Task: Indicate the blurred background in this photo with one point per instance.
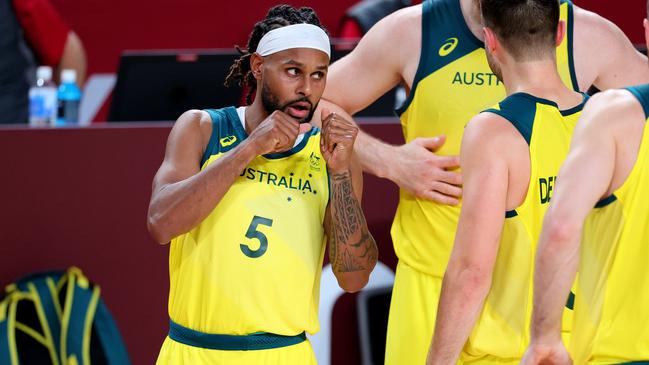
(79, 196)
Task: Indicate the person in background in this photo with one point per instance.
(32, 33)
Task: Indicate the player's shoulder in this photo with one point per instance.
(194, 119)
(194, 122)
(594, 30)
(401, 23)
(409, 13)
(588, 19)
(489, 127)
(611, 112)
(519, 110)
(612, 102)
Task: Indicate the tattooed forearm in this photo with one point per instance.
(351, 246)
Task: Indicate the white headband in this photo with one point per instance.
(294, 36)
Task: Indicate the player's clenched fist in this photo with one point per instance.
(277, 133)
(337, 141)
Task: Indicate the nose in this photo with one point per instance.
(304, 87)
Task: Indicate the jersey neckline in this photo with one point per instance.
(238, 126)
(565, 112)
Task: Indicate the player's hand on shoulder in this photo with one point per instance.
(337, 141)
(277, 133)
(541, 354)
(420, 171)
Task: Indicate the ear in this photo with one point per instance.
(256, 65)
(490, 40)
(561, 32)
(646, 32)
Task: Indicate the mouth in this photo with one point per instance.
(299, 110)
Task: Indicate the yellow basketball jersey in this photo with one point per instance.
(611, 321)
(502, 331)
(254, 264)
(452, 84)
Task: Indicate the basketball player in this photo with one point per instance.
(246, 196)
(510, 157)
(436, 51)
(607, 168)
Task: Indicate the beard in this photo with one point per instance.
(270, 102)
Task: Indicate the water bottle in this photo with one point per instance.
(69, 98)
(42, 99)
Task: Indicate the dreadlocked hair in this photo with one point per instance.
(277, 17)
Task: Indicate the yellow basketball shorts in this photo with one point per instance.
(413, 310)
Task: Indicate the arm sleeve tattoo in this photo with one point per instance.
(351, 246)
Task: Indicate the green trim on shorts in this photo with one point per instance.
(255, 341)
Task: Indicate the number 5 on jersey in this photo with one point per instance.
(253, 233)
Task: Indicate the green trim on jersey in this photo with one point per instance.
(228, 132)
(511, 214)
(571, 60)
(443, 27)
(251, 342)
(225, 134)
(641, 92)
(606, 201)
(446, 38)
(520, 110)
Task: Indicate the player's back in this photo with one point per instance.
(611, 323)
(452, 84)
(502, 331)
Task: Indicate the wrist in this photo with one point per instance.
(250, 149)
(339, 171)
(540, 337)
(383, 166)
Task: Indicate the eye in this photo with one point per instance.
(293, 71)
(318, 75)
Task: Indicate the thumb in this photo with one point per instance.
(432, 143)
(304, 127)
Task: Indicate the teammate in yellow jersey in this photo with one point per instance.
(510, 155)
(607, 168)
(436, 51)
(246, 196)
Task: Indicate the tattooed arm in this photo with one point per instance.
(352, 249)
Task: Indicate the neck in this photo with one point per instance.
(472, 17)
(255, 113)
(541, 79)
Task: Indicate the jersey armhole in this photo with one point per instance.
(213, 144)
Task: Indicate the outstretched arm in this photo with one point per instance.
(368, 72)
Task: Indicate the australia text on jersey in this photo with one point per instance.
(292, 182)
